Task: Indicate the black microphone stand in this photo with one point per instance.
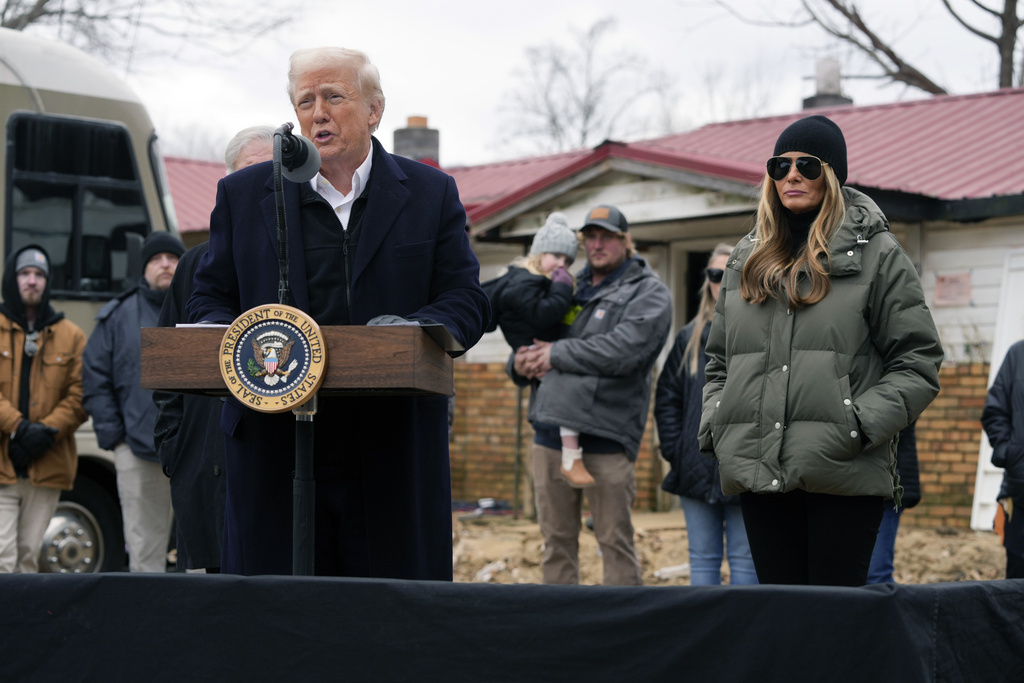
(303, 483)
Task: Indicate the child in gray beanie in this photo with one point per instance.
(529, 302)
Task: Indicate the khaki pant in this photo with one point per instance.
(559, 507)
(145, 493)
(25, 512)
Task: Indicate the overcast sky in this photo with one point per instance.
(455, 63)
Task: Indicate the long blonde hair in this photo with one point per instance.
(771, 270)
(705, 311)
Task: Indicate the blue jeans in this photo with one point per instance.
(705, 525)
(880, 570)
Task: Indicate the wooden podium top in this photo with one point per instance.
(361, 360)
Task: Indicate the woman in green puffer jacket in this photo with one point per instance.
(821, 350)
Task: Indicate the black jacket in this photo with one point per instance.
(677, 408)
(527, 306)
(190, 444)
(1003, 420)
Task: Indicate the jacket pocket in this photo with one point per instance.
(851, 437)
(55, 369)
(414, 250)
(708, 423)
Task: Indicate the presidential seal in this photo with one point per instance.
(273, 358)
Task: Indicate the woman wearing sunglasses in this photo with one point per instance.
(821, 350)
(714, 522)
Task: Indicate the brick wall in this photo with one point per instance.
(948, 439)
(484, 445)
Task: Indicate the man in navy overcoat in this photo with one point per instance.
(373, 238)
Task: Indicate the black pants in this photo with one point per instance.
(813, 539)
(1014, 565)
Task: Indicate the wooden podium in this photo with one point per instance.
(391, 360)
(398, 360)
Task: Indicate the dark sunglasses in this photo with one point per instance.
(714, 274)
(809, 167)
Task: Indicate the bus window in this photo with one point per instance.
(74, 188)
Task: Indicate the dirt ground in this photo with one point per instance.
(500, 549)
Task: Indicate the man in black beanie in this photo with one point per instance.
(123, 413)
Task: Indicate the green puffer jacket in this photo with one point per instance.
(812, 398)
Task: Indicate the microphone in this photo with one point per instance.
(299, 159)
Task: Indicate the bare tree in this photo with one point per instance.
(842, 20)
(581, 96)
(124, 31)
(1005, 41)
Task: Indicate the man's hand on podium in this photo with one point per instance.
(390, 320)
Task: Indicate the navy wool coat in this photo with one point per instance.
(382, 461)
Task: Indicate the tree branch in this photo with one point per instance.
(972, 29)
(879, 50)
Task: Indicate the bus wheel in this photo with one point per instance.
(85, 534)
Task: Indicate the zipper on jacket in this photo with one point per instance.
(764, 384)
(348, 274)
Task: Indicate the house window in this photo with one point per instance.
(73, 187)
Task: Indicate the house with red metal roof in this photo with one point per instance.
(947, 171)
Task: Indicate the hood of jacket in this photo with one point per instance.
(12, 305)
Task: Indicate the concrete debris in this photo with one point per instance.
(676, 572)
(487, 573)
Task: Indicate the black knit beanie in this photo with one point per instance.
(158, 242)
(819, 136)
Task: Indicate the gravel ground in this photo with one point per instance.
(500, 549)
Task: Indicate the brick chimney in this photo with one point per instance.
(418, 142)
(827, 84)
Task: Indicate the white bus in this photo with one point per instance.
(81, 175)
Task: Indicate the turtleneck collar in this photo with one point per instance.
(799, 227)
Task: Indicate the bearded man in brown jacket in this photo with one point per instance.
(40, 407)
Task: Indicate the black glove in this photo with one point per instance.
(34, 438)
(19, 457)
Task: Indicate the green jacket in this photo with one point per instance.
(813, 398)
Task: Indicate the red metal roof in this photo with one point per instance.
(193, 186)
(497, 182)
(949, 147)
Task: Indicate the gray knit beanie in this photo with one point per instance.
(32, 257)
(556, 237)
